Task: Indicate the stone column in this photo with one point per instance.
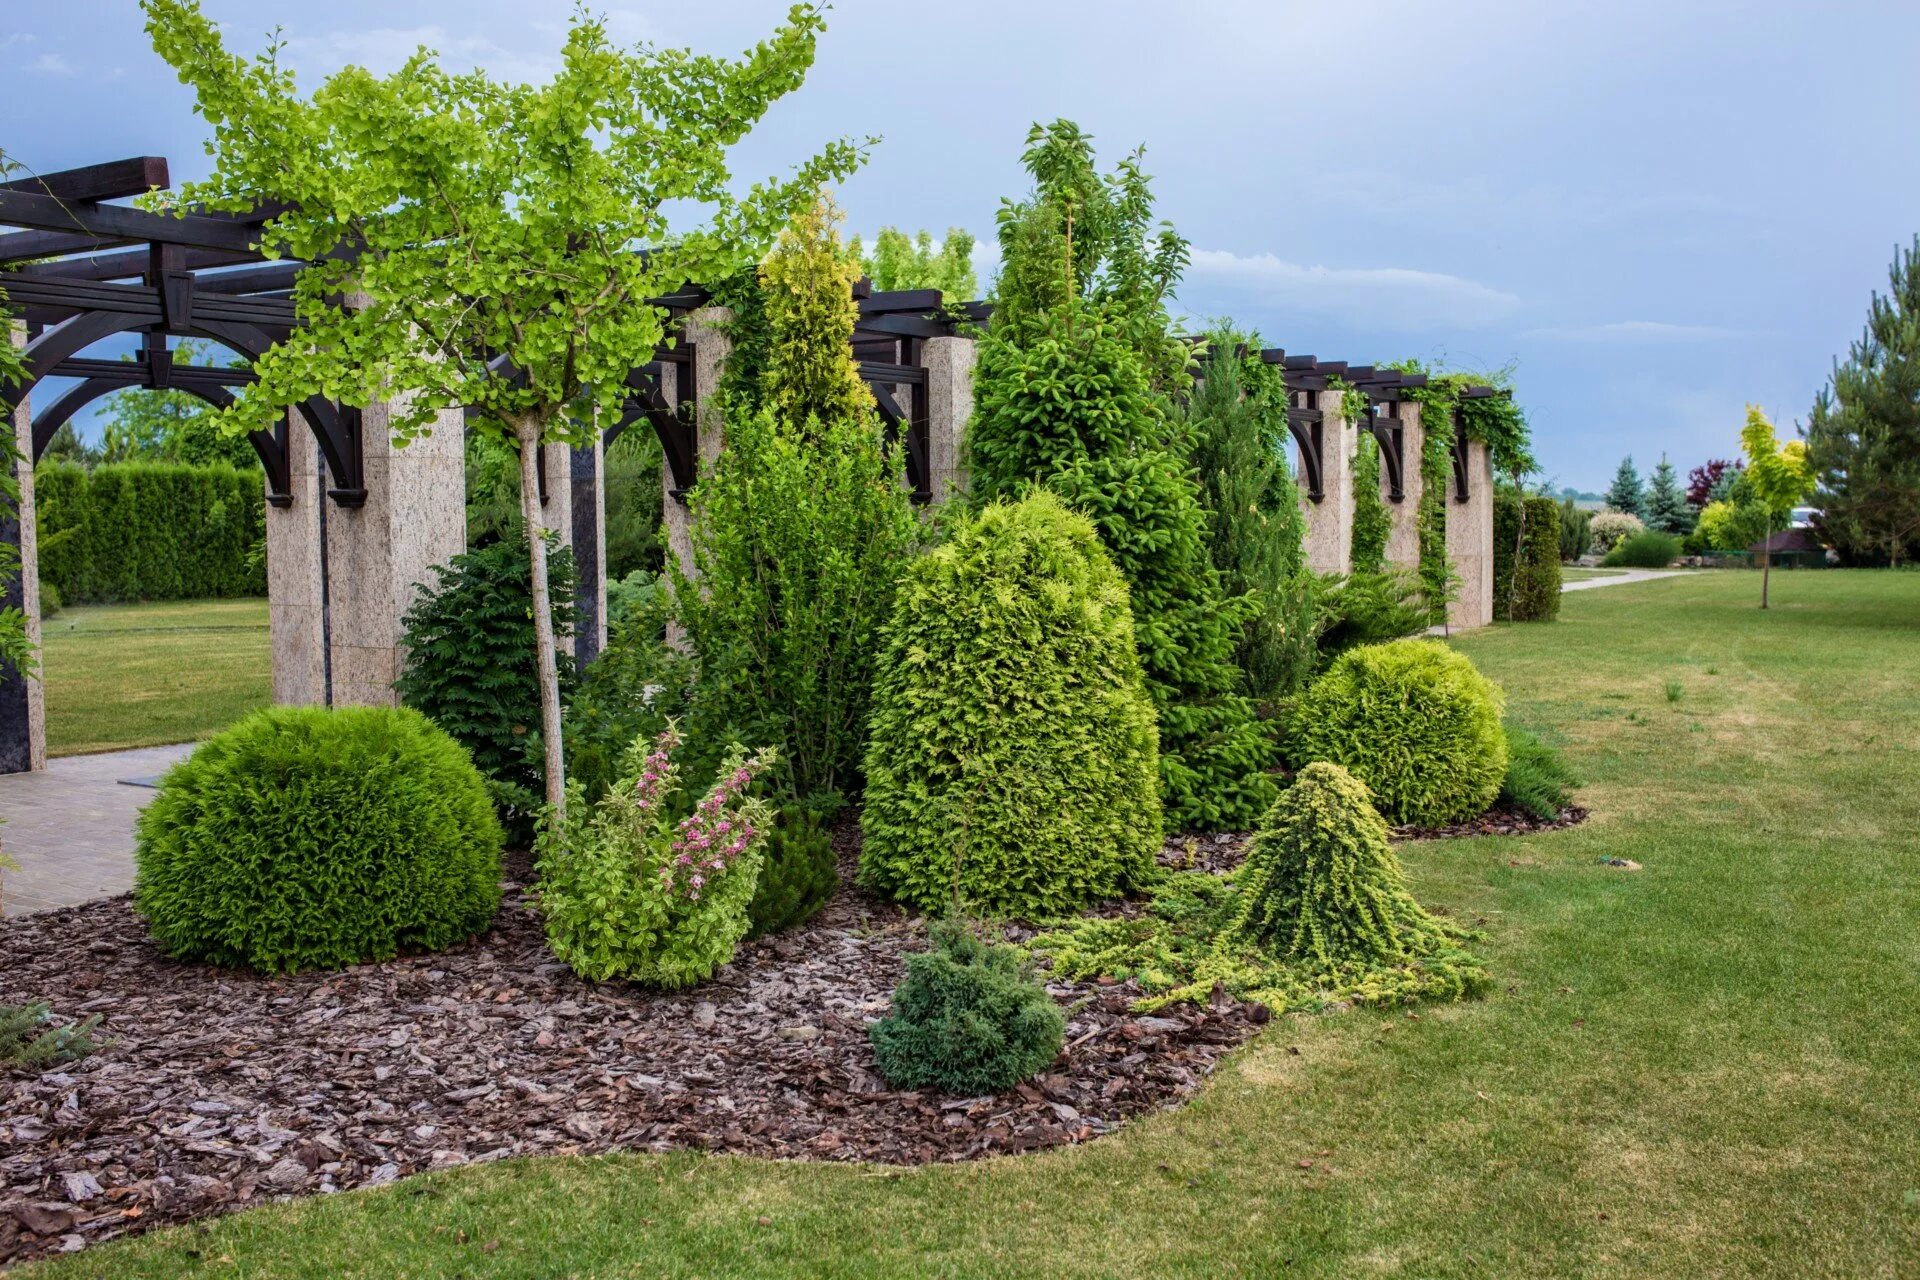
(1470, 543)
(1329, 543)
(415, 517)
(23, 706)
(949, 365)
(702, 329)
(297, 576)
(587, 534)
(1403, 536)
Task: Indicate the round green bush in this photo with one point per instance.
(1012, 759)
(304, 838)
(968, 1020)
(1648, 549)
(1414, 721)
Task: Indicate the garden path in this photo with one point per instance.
(1623, 577)
(71, 827)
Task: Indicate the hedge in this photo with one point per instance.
(1533, 594)
(150, 531)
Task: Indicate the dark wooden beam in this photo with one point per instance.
(118, 223)
(110, 181)
(134, 262)
(142, 300)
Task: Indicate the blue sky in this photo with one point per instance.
(1656, 211)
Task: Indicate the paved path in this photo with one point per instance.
(71, 827)
(1624, 576)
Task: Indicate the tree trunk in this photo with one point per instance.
(529, 431)
(1766, 561)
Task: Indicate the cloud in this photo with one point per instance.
(51, 64)
(1637, 331)
(17, 37)
(1401, 298)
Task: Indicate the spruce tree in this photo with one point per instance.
(1073, 392)
(1667, 508)
(1626, 494)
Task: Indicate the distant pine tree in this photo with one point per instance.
(1626, 494)
(1666, 504)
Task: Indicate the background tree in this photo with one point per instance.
(495, 229)
(1625, 493)
(1704, 480)
(1863, 437)
(902, 262)
(1779, 477)
(1666, 505)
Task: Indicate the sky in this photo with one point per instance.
(1655, 213)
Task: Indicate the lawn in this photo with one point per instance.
(1704, 1067)
(1575, 573)
(136, 675)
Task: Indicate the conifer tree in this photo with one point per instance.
(1667, 508)
(1625, 494)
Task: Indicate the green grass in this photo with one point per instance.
(136, 675)
(1575, 573)
(1703, 1068)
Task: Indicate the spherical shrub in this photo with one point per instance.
(969, 1019)
(798, 874)
(1012, 754)
(304, 838)
(1414, 721)
(1648, 549)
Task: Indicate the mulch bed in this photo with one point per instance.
(1502, 820)
(216, 1090)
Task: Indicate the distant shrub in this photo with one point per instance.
(969, 1019)
(1576, 530)
(628, 893)
(30, 1041)
(306, 838)
(1012, 759)
(798, 874)
(1537, 779)
(1526, 558)
(1608, 527)
(470, 664)
(1414, 721)
(1648, 549)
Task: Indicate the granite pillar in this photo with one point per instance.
(1403, 531)
(23, 707)
(702, 330)
(297, 576)
(1470, 542)
(1329, 542)
(949, 365)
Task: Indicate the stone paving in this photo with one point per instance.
(1622, 578)
(71, 827)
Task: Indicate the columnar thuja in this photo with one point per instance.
(501, 243)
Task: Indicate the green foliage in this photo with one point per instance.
(633, 690)
(150, 531)
(628, 893)
(810, 380)
(1648, 549)
(1499, 423)
(470, 664)
(1527, 541)
(307, 838)
(1367, 608)
(1236, 421)
(1732, 527)
(1012, 758)
(1667, 509)
(1576, 530)
(1414, 721)
(633, 495)
(799, 872)
(1371, 522)
(144, 425)
(1439, 400)
(902, 262)
(1318, 915)
(968, 1020)
(1610, 526)
(1537, 779)
(1626, 494)
(29, 1040)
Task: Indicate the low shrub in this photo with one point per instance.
(1012, 759)
(1648, 549)
(30, 1040)
(1608, 527)
(1318, 914)
(969, 1019)
(1368, 608)
(307, 838)
(1537, 779)
(1414, 721)
(798, 874)
(629, 893)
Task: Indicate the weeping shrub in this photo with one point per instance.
(1537, 780)
(306, 838)
(969, 1019)
(1012, 757)
(1357, 609)
(1317, 914)
(1414, 721)
(798, 873)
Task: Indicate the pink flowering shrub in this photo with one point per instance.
(630, 893)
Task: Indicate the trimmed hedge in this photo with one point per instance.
(1414, 721)
(303, 838)
(1526, 586)
(1013, 758)
(151, 531)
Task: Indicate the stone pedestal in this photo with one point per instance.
(1470, 543)
(297, 576)
(949, 365)
(1403, 534)
(710, 345)
(378, 555)
(23, 707)
(1329, 542)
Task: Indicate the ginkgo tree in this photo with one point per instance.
(1779, 477)
(497, 244)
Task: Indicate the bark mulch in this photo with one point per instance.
(1502, 820)
(216, 1090)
